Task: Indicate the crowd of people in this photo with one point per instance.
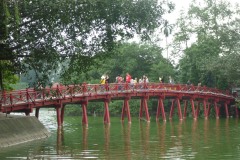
(143, 79)
(128, 79)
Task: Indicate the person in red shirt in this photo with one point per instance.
(128, 78)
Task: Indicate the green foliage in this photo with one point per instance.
(238, 103)
(41, 33)
(215, 26)
(136, 59)
(6, 76)
(73, 110)
(19, 86)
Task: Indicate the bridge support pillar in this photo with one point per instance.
(217, 109)
(59, 121)
(37, 112)
(160, 110)
(84, 113)
(126, 110)
(106, 112)
(144, 108)
(27, 113)
(172, 109)
(179, 109)
(197, 109)
(226, 109)
(185, 109)
(177, 100)
(193, 109)
(60, 114)
(209, 109)
(205, 108)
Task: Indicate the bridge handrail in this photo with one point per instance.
(62, 91)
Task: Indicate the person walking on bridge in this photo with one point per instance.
(103, 80)
(128, 78)
(119, 80)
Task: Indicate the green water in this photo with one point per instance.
(189, 139)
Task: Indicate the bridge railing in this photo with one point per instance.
(61, 91)
(17, 96)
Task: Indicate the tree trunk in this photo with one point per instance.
(167, 46)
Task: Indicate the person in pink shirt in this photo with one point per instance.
(128, 78)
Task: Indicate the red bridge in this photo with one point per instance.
(57, 97)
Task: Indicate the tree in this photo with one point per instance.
(167, 30)
(38, 34)
(215, 27)
(136, 59)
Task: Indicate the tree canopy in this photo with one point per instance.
(38, 34)
(212, 57)
(136, 59)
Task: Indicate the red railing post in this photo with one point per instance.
(84, 87)
(106, 86)
(95, 88)
(11, 99)
(43, 94)
(71, 91)
(27, 95)
(20, 96)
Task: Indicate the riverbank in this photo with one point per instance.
(15, 129)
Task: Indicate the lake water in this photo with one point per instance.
(189, 139)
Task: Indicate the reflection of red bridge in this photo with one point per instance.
(58, 97)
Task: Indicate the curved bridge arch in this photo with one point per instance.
(57, 97)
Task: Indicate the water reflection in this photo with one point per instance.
(126, 132)
(144, 136)
(107, 140)
(161, 132)
(85, 152)
(217, 131)
(200, 139)
(175, 151)
(60, 141)
(205, 132)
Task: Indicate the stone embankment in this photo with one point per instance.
(19, 129)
